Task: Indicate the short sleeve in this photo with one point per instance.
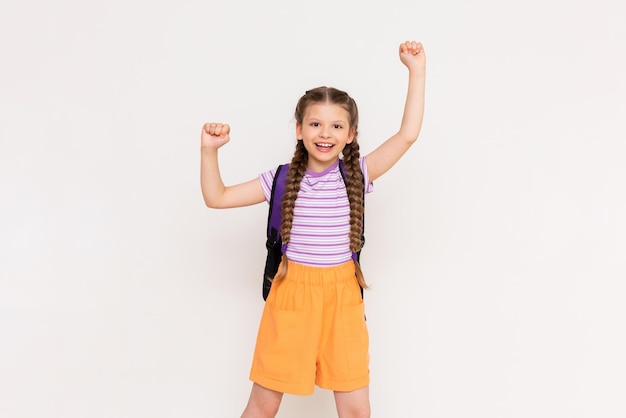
(267, 179)
(369, 186)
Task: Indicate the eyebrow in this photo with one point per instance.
(335, 121)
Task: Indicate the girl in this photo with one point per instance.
(313, 330)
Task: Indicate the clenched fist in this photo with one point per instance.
(412, 55)
(214, 135)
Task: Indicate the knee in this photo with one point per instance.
(363, 412)
(261, 410)
(355, 410)
(356, 414)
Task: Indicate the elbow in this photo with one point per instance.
(211, 203)
(216, 203)
(411, 135)
(212, 198)
(412, 140)
(409, 138)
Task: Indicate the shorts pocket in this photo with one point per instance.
(353, 318)
(282, 344)
(356, 339)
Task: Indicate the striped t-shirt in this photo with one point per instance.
(320, 234)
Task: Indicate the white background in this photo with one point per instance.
(495, 248)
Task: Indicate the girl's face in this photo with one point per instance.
(325, 131)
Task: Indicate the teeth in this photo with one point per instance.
(324, 145)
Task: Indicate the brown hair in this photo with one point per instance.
(354, 176)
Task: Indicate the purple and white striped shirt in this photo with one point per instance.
(320, 234)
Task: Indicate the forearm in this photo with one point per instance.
(210, 177)
(414, 106)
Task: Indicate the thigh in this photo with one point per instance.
(286, 347)
(343, 363)
(353, 404)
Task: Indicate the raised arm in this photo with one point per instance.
(389, 152)
(215, 194)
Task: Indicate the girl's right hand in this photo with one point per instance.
(214, 135)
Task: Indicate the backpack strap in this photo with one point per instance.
(274, 217)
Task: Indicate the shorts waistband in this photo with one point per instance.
(313, 275)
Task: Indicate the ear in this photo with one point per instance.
(351, 136)
(298, 131)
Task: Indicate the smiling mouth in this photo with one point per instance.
(323, 145)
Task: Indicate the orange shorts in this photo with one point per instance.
(313, 332)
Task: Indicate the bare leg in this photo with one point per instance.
(263, 403)
(355, 404)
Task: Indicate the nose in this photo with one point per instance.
(325, 132)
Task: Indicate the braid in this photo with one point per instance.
(296, 172)
(354, 187)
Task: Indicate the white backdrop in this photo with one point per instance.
(495, 248)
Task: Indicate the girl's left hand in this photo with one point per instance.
(412, 55)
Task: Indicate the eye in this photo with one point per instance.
(337, 126)
(315, 124)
